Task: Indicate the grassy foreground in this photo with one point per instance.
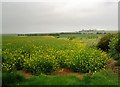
(104, 77)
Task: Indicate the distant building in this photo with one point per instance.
(90, 31)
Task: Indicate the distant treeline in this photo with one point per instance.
(58, 34)
(38, 34)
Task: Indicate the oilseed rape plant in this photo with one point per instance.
(45, 54)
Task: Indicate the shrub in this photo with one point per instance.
(103, 44)
(114, 46)
(13, 59)
(37, 65)
(87, 60)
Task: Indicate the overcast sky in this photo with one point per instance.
(58, 15)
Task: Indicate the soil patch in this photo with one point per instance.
(58, 72)
(25, 74)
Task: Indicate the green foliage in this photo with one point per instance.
(91, 43)
(40, 64)
(103, 44)
(118, 62)
(79, 35)
(87, 60)
(114, 45)
(11, 78)
(71, 38)
(45, 54)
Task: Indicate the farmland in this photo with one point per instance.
(44, 54)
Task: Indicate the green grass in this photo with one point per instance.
(79, 35)
(52, 80)
(104, 77)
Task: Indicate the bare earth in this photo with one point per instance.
(25, 74)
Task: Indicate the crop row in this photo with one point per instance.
(45, 54)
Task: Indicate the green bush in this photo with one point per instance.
(103, 44)
(37, 65)
(114, 46)
(13, 59)
(87, 60)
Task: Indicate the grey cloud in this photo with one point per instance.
(54, 17)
